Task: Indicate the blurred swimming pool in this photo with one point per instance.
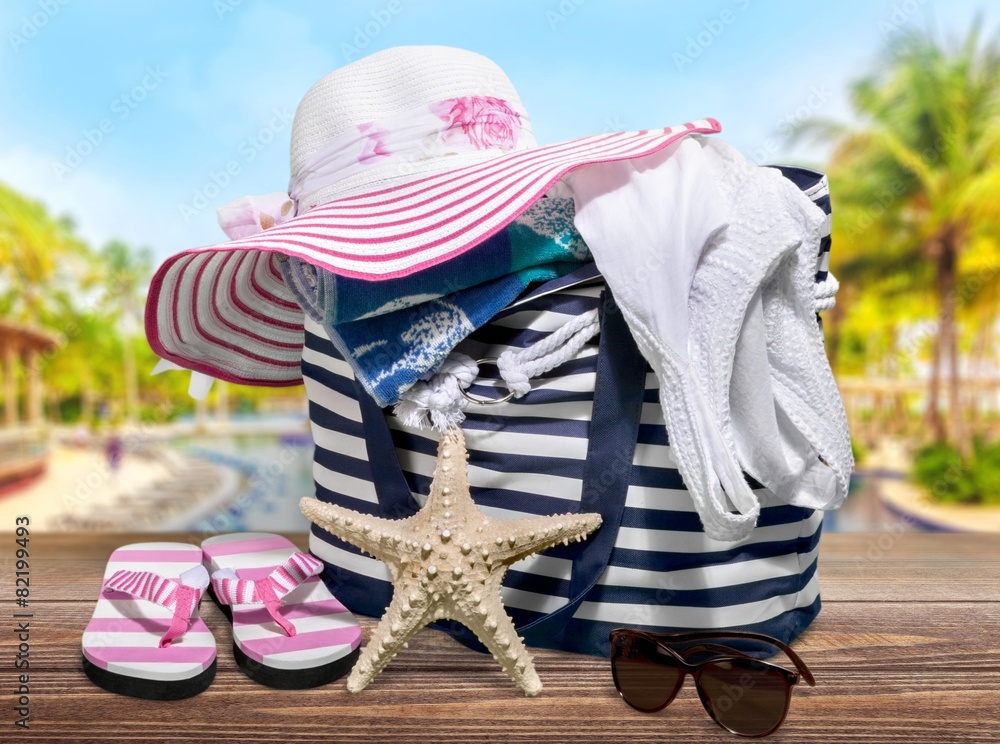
(278, 470)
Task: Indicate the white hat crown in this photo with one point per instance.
(387, 86)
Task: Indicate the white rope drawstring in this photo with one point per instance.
(441, 401)
(518, 367)
(826, 293)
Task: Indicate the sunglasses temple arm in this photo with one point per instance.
(711, 647)
(799, 664)
(739, 634)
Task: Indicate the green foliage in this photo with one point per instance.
(859, 451)
(40, 256)
(952, 480)
(915, 185)
(93, 300)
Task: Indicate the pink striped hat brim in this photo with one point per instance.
(224, 310)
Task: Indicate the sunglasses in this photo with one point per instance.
(742, 694)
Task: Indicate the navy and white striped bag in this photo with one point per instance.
(589, 436)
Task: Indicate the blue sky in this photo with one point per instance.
(121, 113)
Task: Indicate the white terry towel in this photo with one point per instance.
(712, 261)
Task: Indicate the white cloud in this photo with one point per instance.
(230, 97)
(104, 207)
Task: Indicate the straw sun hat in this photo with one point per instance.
(399, 161)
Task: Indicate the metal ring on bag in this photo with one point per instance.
(487, 401)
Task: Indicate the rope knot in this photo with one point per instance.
(439, 401)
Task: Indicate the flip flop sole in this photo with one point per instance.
(149, 689)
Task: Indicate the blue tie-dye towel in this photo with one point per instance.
(396, 331)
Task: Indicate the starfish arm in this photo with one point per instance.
(406, 614)
(528, 536)
(373, 535)
(494, 628)
(447, 562)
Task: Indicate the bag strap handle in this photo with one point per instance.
(391, 489)
(614, 430)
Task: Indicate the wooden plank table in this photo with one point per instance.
(906, 649)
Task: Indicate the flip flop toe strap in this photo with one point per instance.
(269, 591)
(181, 595)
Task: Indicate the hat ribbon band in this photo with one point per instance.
(448, 127)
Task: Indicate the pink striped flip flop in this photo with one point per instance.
(289, 631)
(145, 638)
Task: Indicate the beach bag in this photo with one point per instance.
(588, 437)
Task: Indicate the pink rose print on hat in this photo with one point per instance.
(483, 121)
(374, 145)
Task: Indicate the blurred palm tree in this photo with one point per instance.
(917, 183)
(94, 299)
(80, 368)
(128, 276)
(37, 252)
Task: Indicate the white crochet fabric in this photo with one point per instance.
(753, 305)
(712, 261)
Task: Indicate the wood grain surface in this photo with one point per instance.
(906, 649)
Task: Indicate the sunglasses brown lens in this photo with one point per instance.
(647, 679)
(746, 697)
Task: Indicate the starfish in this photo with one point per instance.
(447, 562)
